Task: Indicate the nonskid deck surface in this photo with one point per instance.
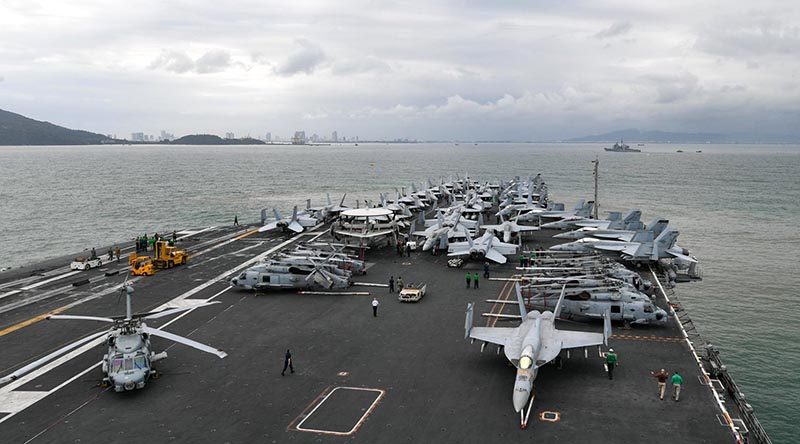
(406, 376)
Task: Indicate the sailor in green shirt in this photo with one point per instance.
(677, 381)
(611, 362)
(475, 278)
(521, 260)
(469, 278)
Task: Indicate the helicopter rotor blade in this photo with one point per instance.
(171, 311)
(185, 341)
(80, 317)
(42, 361)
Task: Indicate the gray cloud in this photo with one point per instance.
(174, 61)
(518, 70)
(212, 61)
(616, 29)
(304, 60)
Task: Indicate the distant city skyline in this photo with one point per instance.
(427, 70)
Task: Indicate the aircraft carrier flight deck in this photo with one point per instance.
(407, 375)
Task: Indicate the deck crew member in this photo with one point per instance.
(375, 304)
(677, 382)
(235, 220)
(117, 252)
(391, 284)
(661, 376)
(611, 362)
(486, 270)
(469, 278)
(94, 253)
(287, 362)
(110, 254)
(400, 286)
(521, 260)
(408, 249)
(475, 279)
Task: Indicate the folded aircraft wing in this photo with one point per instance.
(495, 335)
(575, 339)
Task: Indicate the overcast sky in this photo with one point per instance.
(526, 70)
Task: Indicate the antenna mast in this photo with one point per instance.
(596, 163)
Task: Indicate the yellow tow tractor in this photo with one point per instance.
(141, 265)
(167, 256)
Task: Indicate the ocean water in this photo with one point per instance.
(736, 207)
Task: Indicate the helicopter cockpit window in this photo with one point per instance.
(116, 365)
(139, 362)
(648, 308)
(128, 363)
(525, 362)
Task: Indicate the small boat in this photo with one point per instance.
(679, 151)
(699, 151)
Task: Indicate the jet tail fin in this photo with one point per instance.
(606, 326)
(468, 319)
(277, 214)
(294, 213)
(522, 310)
(329, 199)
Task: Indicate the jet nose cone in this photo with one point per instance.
(569, 235)
(521, 396)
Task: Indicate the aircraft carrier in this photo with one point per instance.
(407, 375)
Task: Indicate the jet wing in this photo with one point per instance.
(575, 339)
(495, 335)
(496, 256)
(296, 227)
(269, 226)
(626, 248)
(682, 256)
(622, 236)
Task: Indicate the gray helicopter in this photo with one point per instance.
(128, 362)
(622, 302)
(293, 273)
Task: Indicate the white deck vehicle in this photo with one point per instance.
(412, 292)
(84, 263)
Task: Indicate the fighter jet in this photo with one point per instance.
(615, 221)
(486, 246)
(508, 228)
(326, 212)
(297, 223)
(582, 211)
(441, 234)
(652, 231)
(532, 344)
(663, 247)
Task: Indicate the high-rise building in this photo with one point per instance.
(165, 136)
(268, 138)
(230, 136)
(334, 137)
(299, 138)
(137, 137)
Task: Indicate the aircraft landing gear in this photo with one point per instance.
(523, 415)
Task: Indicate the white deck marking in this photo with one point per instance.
(52, 279)
(10, 293)
(357, 424)
(12, 402)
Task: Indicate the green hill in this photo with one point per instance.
(20, 130)
(210, 139)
